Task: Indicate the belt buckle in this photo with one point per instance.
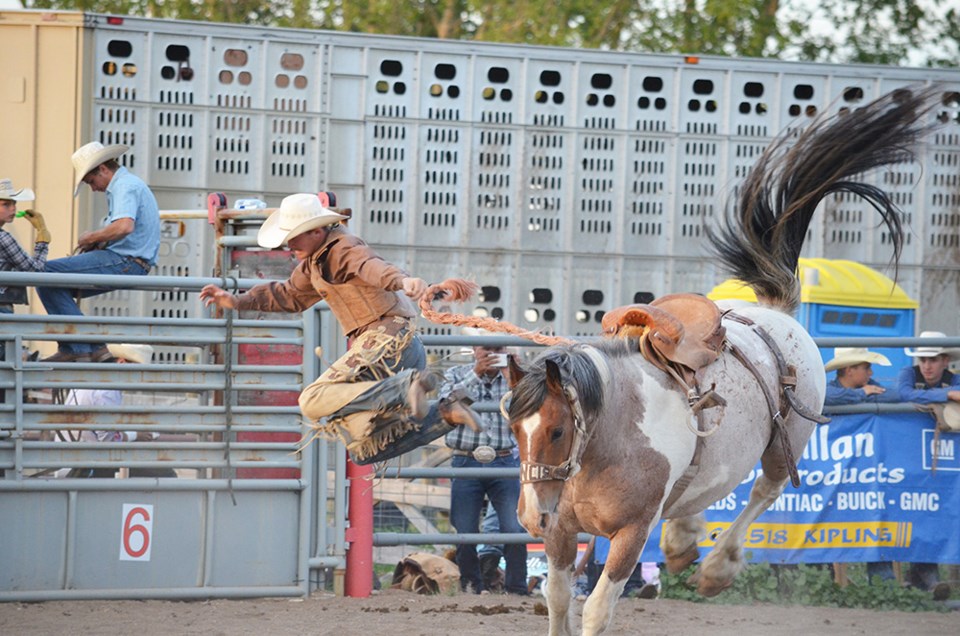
(484, 454)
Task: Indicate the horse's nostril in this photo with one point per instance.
(543, 521)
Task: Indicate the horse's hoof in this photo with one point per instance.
(706, 586)
(679, 563)
(709, 588)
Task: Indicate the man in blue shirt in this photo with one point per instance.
(126, 244)
(928, 382)
(854, 383)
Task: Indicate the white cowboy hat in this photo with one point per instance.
(88, 157)
(844, 357)
(298, 213)
(139, 353)
(7, 193)
(930, 352)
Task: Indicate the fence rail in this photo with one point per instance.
(239, 484)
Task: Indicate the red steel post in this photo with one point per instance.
(359, 575)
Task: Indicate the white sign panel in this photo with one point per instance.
(137, 532)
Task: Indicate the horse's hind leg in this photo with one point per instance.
(717, 571)
(679, 541)
(561, 553)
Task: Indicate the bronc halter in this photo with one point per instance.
(533, 472)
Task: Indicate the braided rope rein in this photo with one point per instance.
(460, 290)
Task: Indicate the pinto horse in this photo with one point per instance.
(610, 443)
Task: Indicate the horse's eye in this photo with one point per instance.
(557, 434)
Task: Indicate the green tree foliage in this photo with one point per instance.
(868, 31)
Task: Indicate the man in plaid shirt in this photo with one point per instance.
(12, 256)
(492, 447)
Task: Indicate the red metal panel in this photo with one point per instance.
(274, 264)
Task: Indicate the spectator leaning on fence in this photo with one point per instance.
(127, 244)
(492, 446)
(929, 382)
(854, 383)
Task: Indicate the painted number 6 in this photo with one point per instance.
(136, 532)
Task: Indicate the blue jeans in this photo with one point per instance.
(466, 500)
(59, 301)
(490, 524)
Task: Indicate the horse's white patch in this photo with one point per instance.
(530, 424)
(530, 500)
(663, 424)
(745, 427)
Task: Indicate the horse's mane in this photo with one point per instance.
(576, 367)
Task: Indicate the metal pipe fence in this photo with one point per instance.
(217, 427)
(248, 512)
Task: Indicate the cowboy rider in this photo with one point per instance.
(374, 396)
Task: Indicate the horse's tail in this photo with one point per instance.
(760, 239)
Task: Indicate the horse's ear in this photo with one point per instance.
(516, 372)
(554, 377)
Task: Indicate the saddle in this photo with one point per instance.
(679, 334)
(681, 328)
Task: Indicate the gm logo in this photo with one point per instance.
(944, 448)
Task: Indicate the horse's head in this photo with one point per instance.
(547, 415)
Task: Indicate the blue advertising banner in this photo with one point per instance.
(868, 492)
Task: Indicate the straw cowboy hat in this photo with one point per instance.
(88, 157)
(8, 193)
(930, 352)
(139, 353)
(298, 213)
(844, 357)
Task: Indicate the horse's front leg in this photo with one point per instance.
(561, 550)
(625, 548)
(717, 571)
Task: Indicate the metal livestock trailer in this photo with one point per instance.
(565, 181)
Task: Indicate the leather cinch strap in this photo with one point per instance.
(788, 383)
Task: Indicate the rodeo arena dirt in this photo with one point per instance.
(400, 613)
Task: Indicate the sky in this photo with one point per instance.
(818, 26)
